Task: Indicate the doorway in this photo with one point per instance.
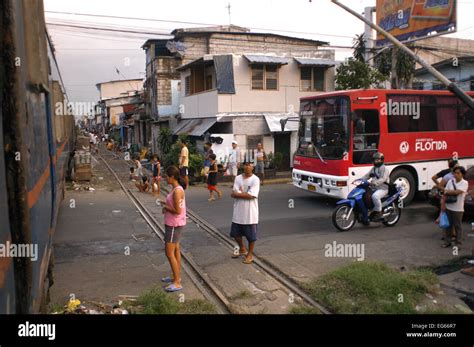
(283, 145)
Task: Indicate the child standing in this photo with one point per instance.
(212, 179)
(155, 181)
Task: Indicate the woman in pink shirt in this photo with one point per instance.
(174, 209)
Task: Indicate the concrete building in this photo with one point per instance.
(161, 88)
(439, 48)
(236, 84)
(121, 107)
(459, 70)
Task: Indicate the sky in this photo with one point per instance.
(87, 56)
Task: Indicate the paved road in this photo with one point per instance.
(295, 238)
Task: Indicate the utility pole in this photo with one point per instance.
(369, 36)
(450, 85)
(228, 7)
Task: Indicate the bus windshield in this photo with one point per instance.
(324, 128)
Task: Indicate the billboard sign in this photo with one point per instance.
(414, 19)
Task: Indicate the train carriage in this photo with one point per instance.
(38, 142)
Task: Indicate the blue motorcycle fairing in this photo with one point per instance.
(356, 192)
(391, 199)
(346, 201)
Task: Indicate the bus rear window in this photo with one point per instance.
(425, 113)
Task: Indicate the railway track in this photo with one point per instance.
(199, 279)
(205, 285)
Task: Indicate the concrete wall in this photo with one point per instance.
(452, 47)
(283, 100)
(465, 70)
(250, 126)
(114, 114)
(172, 108)
(116, 89)
(201, 105)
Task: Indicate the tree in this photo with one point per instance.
(359, 47)
(398, 66)
(164, 141)
(355, 73)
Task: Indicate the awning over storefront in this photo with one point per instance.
(273, 122)
(194, 127)
(266, 59)
(315, 62)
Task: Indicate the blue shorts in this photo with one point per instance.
(241, 230)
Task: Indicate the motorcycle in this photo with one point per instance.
(358, 205)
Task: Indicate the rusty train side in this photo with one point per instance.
(38, 138)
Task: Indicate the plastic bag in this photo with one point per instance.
(444, 221)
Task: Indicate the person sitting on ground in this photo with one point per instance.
(133, 177)
(110, 144)
(138, 166)
(143, 185)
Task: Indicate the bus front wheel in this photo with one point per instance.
(407, 181)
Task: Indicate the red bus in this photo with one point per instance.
(416, 130)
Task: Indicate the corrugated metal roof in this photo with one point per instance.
(266, 59)
(273, 122)
(195, 127)
(315, 62)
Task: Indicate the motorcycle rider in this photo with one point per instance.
(379, 184)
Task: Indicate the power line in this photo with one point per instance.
(104, 29)
(221, 38)
(192, 23)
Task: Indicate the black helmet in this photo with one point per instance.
(378, 156)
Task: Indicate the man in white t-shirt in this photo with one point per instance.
(245, 216)
(456, 187)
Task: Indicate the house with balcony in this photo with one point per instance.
(242, 84)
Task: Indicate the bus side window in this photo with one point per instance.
(366, 135)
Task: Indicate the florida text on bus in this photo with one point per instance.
(416, 130)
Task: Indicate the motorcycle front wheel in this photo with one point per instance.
(394, 216)
(341, 218)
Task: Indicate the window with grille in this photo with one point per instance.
(264, 77)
